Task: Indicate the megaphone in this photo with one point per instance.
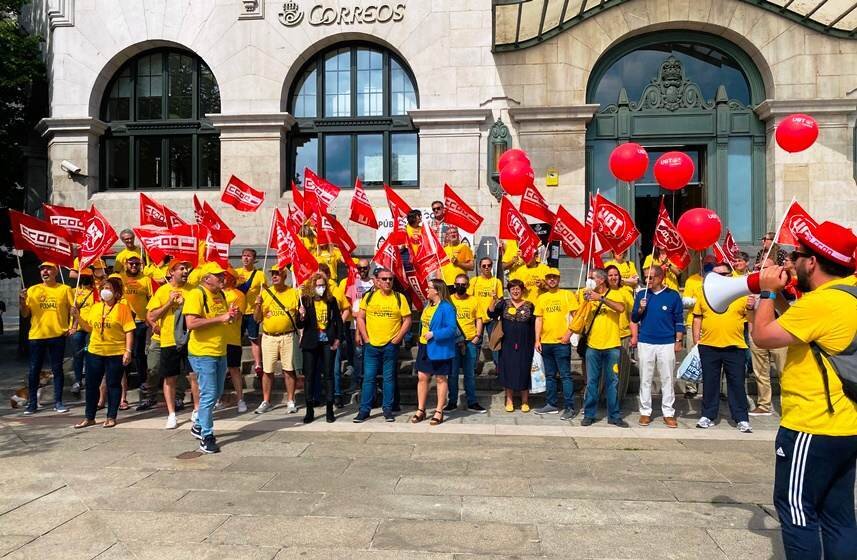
(720, 291)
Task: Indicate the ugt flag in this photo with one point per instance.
(99, 237)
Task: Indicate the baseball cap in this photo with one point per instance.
(48, 263)
(98, 263)
(275, 268)
(830, 240)
(552, 272)
(213, 268)
(175, 262)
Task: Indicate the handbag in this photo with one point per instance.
(495, 340)
(582, 344)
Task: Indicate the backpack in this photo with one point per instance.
(180, 330)
(373, 291)
(844, 363)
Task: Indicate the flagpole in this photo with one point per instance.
(776, 233)
(62, 278)
(589, 252)
(268, 243)
(652, 258)
(20, 269)
(592, 231)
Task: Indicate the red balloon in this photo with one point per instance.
(516, 176)
(700, 228)
(629, 161)
(797, 132)
(674, 170)
(512, 155)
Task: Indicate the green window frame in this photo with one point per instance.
(158, 137)
(350, 104)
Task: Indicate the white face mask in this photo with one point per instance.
(106, 295)
(319, 291)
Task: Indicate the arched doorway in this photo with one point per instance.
(687, 91)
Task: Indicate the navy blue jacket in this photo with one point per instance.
(662, 318)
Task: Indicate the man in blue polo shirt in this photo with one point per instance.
(658, 311)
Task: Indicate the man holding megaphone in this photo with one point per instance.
(816, 445)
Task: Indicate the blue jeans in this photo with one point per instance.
(79, 341)
(495, 354)
(379, 359)
(97, 367)
(54, 348)
(211, 375)
(139, 348)
(357, 376)
(598, 363)
(467, 362)
(557, 360)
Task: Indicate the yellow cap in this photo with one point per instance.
(213, 268)
(48, 263)
(175, 262)
(98, 264)
(552, 272)
(275, 268)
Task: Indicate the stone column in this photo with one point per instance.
(821, 178)
(556, 137)
(74, 140)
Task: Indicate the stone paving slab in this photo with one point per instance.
(82, 538)
(285, 531)
(448, 536)
(200, 551)
(463, 486)
(246, 503)
(40, 516)
(401, 506)
(737, 543)
(631, 543)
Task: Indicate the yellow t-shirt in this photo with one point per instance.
(233, 330)
(275, 319)
(462, 252)
(425, 321)
(555, 308)
(510, 251)
(692, 285)
(627, 269)
(255, 287)
(167, 321)
(530, 277)
(467, 311)
(827, 317)
(209, 340)
(84, 298)
(124, 255)
(107, 327)
(605, 330)
(320, 313)
(670, 279)
(50, 310)
(384, 315)
(331, 259)
(483, 289)
(137, 291)
(195, 276)
(625, 316)
(158, 273)
(722, 330)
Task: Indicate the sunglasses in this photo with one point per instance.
(484, 266)
(460, 285)
(436, 208)
(362, 268)
(386, 279)
(795, 255)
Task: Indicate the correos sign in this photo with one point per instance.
(324, 14)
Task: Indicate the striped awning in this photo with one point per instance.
(519, 24)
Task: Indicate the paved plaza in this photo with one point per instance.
(483, 486)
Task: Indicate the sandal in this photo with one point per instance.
(418, 416)
(85, 423)
(124, 406)
(435, 420)
(110, 422)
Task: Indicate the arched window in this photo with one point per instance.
(158, 137)
(351, 104)
(688, 91)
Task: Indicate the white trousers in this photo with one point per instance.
(660, 357)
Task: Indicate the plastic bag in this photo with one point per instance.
(690, 368)
(537, 374)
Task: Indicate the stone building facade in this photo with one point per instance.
(532, 72)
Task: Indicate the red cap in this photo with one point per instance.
(832, 241)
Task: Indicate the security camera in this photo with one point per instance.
(69, 167)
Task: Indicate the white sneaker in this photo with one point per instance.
(263, 408)
(704, 423)
(194, 416)
(744, 428)
(291, 408)
(218, 405)
(172, 423)
(242, 407)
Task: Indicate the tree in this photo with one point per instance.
(23, 102)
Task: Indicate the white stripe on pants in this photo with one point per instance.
(660, 357)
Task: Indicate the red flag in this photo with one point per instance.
(668, 238)
(295, 219)
(796, 219)
(100, 236)
(47, 241)
(572, 235)
(318, 193)
(398, 207)
(514, 226)
(297, 196)
(343, 239)
(180, 242)
(152, 213)
(361, 208)
(173, 219)
(198, 210)
(599, 245)
(284, 247)
(389, 257)
(730, 247)
(242, 196)
(458, 213)
(430, 255)
(614, 224)
(721, 255)
(534, 204)
(206, 216)
(303, 262)
(215, 250)
(68, 219)
(325, 233)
